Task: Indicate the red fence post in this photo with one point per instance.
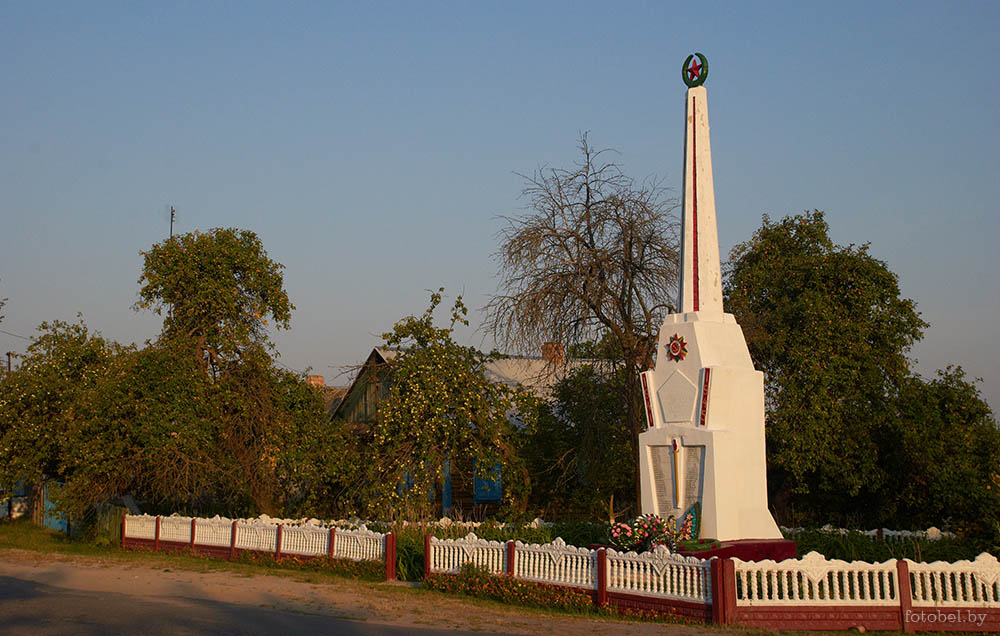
(329, 543)
(718, 586)
(156, 536)
(194, 526)
(390, 557)
(511, 556)
(728, 589)
(905, 596)
(427, 555)
(232, 541)
(124, 517)
(277, 542)
(602, 577)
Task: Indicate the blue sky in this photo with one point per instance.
(372, 147)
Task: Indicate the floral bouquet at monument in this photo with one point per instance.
(648, 531)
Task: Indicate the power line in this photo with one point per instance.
(16, 335)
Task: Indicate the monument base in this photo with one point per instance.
(748, 550)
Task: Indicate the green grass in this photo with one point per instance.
(21, 534)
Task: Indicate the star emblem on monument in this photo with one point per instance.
(676, 348)
(695, 70)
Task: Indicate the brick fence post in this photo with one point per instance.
(329, 542)
(156, 535)
(427, 555)
(511, 557)
(726, 590)
(232, 541)
(194, 527)
(602, 577)
(124, 517)
(390, 557)
(718, 585)
(905, 596)
(277, 541)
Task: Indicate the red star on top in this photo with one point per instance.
(694, 71)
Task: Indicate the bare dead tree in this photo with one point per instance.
(594, 257)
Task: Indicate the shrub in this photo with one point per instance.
(477, 581)
(365, 570)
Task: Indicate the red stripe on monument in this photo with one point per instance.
(649, 409)
(704, 397)
(694, 191)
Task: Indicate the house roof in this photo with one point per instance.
(536, 374)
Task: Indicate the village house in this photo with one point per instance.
(461, 491)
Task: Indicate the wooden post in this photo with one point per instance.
(602, 577)
(232, 541)
(156, 536)
(329, 542)
(277, 542)
(427, 555)
(511, 557)
(390, 557)
(905, 596)
(194, 526)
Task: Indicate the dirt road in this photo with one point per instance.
(54, 594)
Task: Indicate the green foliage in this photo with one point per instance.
(440, 408)
(579, 455)
(855, 546)
(348, 568)
(943, 451)
(477, 581)
(218, 288)
(223, 430)
(40, 401)
(827, 326)
(847, 423)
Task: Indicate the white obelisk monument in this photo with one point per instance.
(704, 400)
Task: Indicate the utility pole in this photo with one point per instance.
(171, 221)
(10, 354)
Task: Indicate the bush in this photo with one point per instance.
(365, 570)
(477, 581)
(855, 546)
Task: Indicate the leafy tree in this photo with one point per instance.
(440, 408)
(579, 453)
(827, 326)
(218, 288)
(39, 401)
(148, 426)
(595, 257)
(268, 422)
(943, 455)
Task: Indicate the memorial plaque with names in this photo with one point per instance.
(693, 459)
(663, 477)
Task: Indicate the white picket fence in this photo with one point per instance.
(662, 574)
(556, 563)
(449, 555)
(960, 584)
(814, 580)
(261, 536)
(658, 573)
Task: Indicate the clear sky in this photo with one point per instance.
(372, 145)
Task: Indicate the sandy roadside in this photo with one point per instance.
(380, 603)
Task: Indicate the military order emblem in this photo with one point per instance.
(695, 71)
(677, 348)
